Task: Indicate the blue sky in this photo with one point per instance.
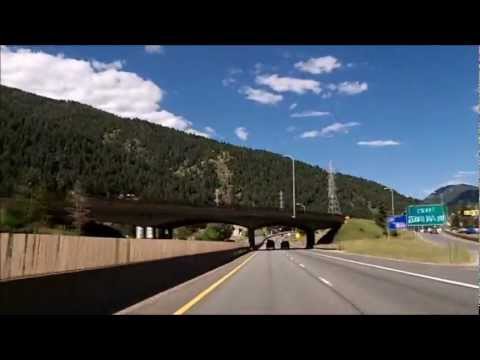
(400, 115)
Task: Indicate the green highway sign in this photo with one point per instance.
(425, 215)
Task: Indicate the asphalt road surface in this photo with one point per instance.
(444, 239)
(302, 281)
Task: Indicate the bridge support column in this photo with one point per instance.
(310, 238)
(329, 236)
(251, 238)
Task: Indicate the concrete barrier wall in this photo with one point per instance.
(24, 255)
(105, 290)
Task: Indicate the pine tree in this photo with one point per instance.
(381, 218)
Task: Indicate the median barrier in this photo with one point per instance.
(107, 284)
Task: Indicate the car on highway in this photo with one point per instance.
(471, 231)
(433, 231)
(270, 244)
(285, 244)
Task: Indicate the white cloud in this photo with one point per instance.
(352, 88)
(338, 128)
(309, 114)
(235, 71)
(117, 65)
(476, 108)
(228, 81)
(378, 143)
(210, 130)
(293, 106)
(154, 49)
(330, 130)
(198, 133)
(257, 69)
(464, 174)
(283, 84)
(320, 65)
(291, 128)
(241, 133)
(310, 134)
(327, 95)
(101, 85)
(261, 96)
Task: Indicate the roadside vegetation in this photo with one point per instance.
(365, 237)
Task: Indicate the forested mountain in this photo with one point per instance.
(54, 144)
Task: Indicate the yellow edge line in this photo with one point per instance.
(212, 287)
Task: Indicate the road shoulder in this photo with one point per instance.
(169, 301)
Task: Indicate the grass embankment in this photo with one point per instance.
(365, 237)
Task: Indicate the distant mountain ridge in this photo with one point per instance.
(455, 195)
(56, 144)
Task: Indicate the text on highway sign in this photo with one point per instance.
(423, 215)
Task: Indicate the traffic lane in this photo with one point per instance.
(278, 242)
(463, 273)
(376, 291)
(272, 284)
(168, 301)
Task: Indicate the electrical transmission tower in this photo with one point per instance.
(333, 204)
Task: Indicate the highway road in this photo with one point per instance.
(300, 281)
(444, 239)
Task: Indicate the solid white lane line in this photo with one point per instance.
(451, 282)
(325, 281)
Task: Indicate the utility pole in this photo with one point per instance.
(393, 207)
(281, 199)
(333, 204)
(393, 210)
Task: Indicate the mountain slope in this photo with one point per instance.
(57, 143)
(455, 195)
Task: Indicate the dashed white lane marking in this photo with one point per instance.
(325, 281)
(451, 282)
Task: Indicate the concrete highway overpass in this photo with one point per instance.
(167, 217)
